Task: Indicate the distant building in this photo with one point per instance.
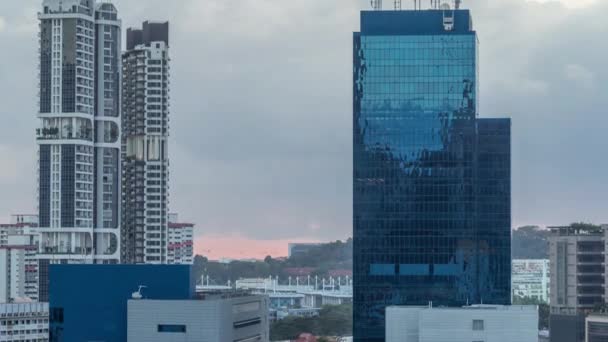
(318, 299)
(578, 284)
(25, 219)
(530, 279)
(18, 269)
(300, 249)
(281, 313)
(24, 322)
(181, 241)
(487, 323)
(15, 228)
(95, 308)
(279, 300)
(227, 318)
(596, 328)
(19, 275)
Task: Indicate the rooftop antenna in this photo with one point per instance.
(137, 294)
(397, 5)
(376, 5)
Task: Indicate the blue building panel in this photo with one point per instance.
(414, 269)
(431, 181)
(392, 23)
(89, 302)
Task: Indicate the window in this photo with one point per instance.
(478, 325)
(247, 323)
(172, 328)
(56, 315)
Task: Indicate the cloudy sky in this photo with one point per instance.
(261, 112)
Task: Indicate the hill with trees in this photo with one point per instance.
(318, 261)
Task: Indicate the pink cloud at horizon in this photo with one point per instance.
(217, 247)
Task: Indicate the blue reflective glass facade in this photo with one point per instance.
(431, 181)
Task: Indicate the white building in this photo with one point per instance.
(181, 241)
(596, 328)
(227, 318)
(78, 136)
(18, 269)
(145, 145)
(24, 322)
(25, 219)
(530, 279)
(487, 323)
(16, 227)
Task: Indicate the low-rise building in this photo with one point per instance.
(88, 302)
(180, 249)
(227, 317)
(24, 322)
(488, 323)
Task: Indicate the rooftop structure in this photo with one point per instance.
(225, 319)
(102, 297)
(596, 328)
(488, 323)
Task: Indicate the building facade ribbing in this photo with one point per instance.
(577, 268)
(577, 257)
(145, 170)
(79, 134)
(431, 180)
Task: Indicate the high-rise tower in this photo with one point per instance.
(145, 170)
(79, 134)
(431, 181)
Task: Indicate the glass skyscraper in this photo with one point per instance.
(432, 181)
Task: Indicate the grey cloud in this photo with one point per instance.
(261, 109)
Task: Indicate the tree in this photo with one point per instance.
(333, 320)
(530, 242)
(543, 309)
